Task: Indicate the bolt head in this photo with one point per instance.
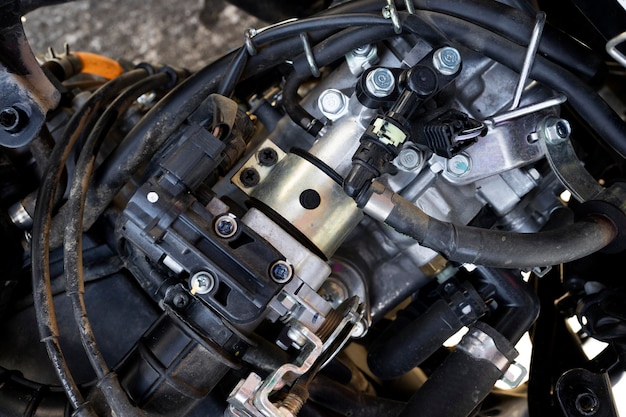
(202, 282)
(447, 60)
(409, 158)
(459, 165)
(380, 82)
(281, 271)
(225, 226)
(556, 130)
(332, 102)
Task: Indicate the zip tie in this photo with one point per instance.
(529, 59)
(390, 12)
(248, 34)
(315, 71)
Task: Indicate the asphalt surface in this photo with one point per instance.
(187, 33)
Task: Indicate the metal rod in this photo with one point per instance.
(529, 59)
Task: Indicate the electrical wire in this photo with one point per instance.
(72, 255)
(75, 130)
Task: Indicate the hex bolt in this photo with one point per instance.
(380, 82)
(447, 60)
(267, 157)
(226, 226)
(409, 158)
(202, 282)
(332, 102)
(249, 177)
(281, 271)
(556, 130)
(459, 165)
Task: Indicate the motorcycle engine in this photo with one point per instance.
(364, 210)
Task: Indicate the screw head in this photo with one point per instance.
(152, 197)
(180, 300)
(202, 282)
(249, 177)
(226, 226)
(447, 60)
(281, 272)
(267, 156)
(380, 82)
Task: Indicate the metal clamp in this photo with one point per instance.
(308, 52)
(391, 12)
(611, 48)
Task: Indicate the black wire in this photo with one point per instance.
(229, 80)
(73, 260)
(75, 129)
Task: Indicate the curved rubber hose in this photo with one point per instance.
(99, 65)
(403, 346)
(555, 44)
(501, 249)
(518, 305)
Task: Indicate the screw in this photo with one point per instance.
(556, 130)
(281, 272)
(380, 82)
(13, 119)
(332, 102)
(459, 165)
(225, 226)
(268, 157)
(447, 60)
(180, 300)
(202, 282)
(249, 177)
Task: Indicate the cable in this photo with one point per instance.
(73, 260)
(76, 129)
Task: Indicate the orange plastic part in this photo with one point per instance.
(99, 65)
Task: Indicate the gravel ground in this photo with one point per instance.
(187, 34)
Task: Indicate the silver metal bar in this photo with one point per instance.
(529, 59)
(526, 110)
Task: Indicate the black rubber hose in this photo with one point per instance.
(405, 345)
(600, 117)
(518, 305)
(72, 255)
(345, 401)
(501, 249)
(459, 384)
(325, 53)
(555, 44)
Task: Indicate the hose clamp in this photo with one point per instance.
(379, 205)
(391, 12)
(310, 58)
